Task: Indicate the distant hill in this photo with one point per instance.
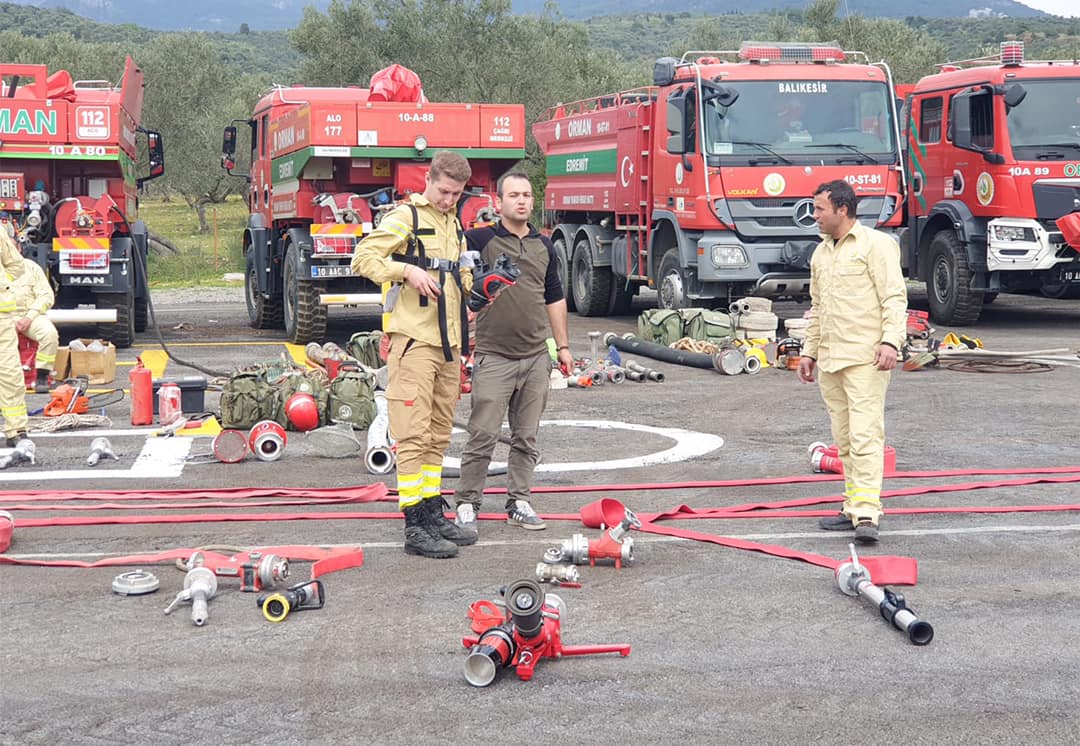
(868, 8)
(194, 15)
(262, 15)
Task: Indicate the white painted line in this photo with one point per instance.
(639, 538)
(688, 445)
(160, 458)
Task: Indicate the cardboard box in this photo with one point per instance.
(99, 367)
(62, 364)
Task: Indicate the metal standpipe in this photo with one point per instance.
(379, 458)
(854, 580)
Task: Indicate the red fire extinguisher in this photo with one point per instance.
(142, 394)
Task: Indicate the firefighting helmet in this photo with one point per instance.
(302, 411)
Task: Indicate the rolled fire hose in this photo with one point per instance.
(378, 457)
(630, 343)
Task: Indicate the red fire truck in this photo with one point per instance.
(68, 187)
(327, 163)
(994, 160)
(701, 185)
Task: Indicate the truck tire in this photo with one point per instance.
(592, 285)
(122, 333)
(948, 285)
(563, 261)
(263, 313)
(142, 314)
(305, 317)
(671, 284)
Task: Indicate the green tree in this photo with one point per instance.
(463, 50)
(190, 96)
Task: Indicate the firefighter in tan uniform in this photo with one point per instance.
(34, 297)
(417, 246)
(858, 323)
(12, 383)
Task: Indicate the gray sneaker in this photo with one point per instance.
(521, 514)
(465, 518)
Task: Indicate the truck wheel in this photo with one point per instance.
(592, 285)
(263, 313)
(142, 314)
(122, 333)
(948, 287)
(563, 261)
(671, 289)
(305, 317)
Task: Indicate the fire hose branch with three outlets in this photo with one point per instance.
(614, 544)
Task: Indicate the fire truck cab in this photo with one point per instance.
(68, 187)
(994, 160)
(328, 163)
(701, 185)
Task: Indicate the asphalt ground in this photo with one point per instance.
(727, 645)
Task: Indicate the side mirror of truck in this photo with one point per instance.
(1014, 95)
(676, 123)
(228, 149)
(155, 149)
(663, 72)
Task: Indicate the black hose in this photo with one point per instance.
(150, 304)
(659, 352)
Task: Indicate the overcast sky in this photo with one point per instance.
(1057, 7)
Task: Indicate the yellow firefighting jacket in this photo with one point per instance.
(858, 299)
(442, 240)
(12, 260)
(33, 295)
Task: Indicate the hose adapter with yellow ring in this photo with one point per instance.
(301, 597)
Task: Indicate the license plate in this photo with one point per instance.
(331, 270)
(1069, 275)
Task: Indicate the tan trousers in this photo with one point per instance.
(420, 400)
(12, 383)
(517, 389)
(44, 333)
(855, 399)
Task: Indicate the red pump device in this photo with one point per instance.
(532, 630)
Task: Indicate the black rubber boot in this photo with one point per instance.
(422, 535)
(866, 532)
(838, 522)
(41, 385)
(13, 440)
(447, 528)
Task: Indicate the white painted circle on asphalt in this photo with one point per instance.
(688, 444)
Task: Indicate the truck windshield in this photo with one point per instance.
(1045, 125)
(822, 120)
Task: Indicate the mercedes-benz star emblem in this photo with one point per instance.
(804, 213)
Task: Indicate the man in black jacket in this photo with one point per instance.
(512, 370)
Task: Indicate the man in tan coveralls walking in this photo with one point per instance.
(417, 246)
(857, 325)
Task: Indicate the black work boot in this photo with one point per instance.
(866, 532)
(446, 528)
(41, 385)
(838, 522)
(422, 535)
(13, 440)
